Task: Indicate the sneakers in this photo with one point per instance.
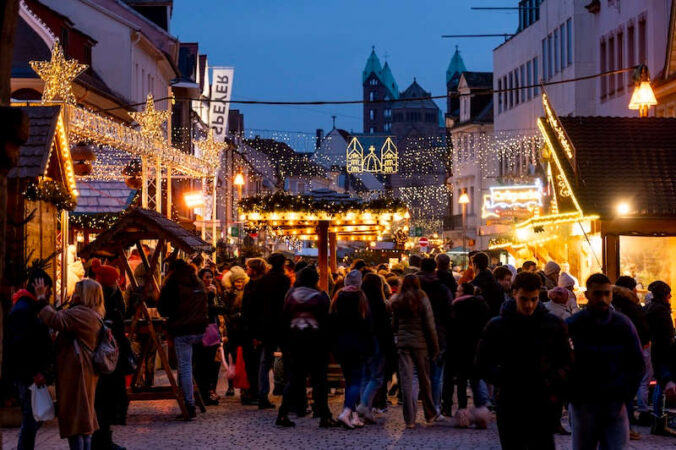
(284, 422)
(192, 413)
(345, 418)
(356, 421)
(366, 413)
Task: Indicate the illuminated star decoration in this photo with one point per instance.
(210, 149)
(151, 120)
(58, 75)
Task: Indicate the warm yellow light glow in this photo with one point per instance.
(151, 120)
(623, 208)
(643, 96)
(193, 199)
(58, 73)
(407, 215)
(372, 244)
(210, 149)
(464, 198)
(239, 180)
(522, 234)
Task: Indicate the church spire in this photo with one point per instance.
(372, 65)
(456, 66)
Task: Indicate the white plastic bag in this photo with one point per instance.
(42, 403)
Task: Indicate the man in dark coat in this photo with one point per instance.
(661, 325)
(29, 352)
(485, 281)
(275, 284)
(607, 371)
(445, 274)
(526, 355)
(440, 298)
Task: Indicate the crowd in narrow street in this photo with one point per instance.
(385, 340)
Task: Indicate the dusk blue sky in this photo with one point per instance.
(316, 50)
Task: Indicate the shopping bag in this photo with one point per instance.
(230, 373)
(41, 403)
(241, 381)
(211, 336)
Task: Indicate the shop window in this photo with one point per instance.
(569, 41)
(642, 41)
(611, 65)
(603, 80)
(620, 60)
(631, 52)
(644, 257)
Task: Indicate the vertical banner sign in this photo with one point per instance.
(221, 90)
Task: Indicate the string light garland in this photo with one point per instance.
(210, 149)
(58, 74)
(151, 120)
(50, 191)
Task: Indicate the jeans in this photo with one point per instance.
(410, 359)
(184, 347)
(374, 376)
(479, 392)
(437, 380)
(80, 442)
(658, 409)
(353, 370)
(267, 359)
(605, 425)
(29, 427)
(643, 388)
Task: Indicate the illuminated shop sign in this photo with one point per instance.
(512, 201)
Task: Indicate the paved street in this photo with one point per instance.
(151, 425)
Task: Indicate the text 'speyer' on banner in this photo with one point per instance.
(221, 92)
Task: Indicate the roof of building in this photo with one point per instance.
(34, 153)
(415, 91)
(384, 74)
(623, 159)
(456, 66)
(97, 197)
(372, 66)
(478, 80)
(388, 80)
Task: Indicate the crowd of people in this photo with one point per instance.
(515, 341)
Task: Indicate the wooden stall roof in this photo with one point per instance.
(143, 224)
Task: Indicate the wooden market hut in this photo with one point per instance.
(611, 180)
(41, 188)
(135, 226)
(325, 217)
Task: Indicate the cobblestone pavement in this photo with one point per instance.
(152, 425)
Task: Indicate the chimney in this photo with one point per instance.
(320, 136)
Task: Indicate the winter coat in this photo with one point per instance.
(491, 291)
(626, 302)
(527, 358)
(306, 309)
(414, 329)
(608, 357)
(275, 286)
(382, 323)
(661, 326)
(28, 347)
(561, 311)
(440, 299)
(351, 333)
(446, 277)
(75, 376)
(470, 314)
(183, 301)
(233, 316)
(252, 308)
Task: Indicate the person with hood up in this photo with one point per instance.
(491, 291)
(558, 303)
(417, 344)
(440, 299)
(568, 282)
(111, 392)
(661, 325)
(525, 354)
(233, 290)
(29, 351)
(353, 341)
(305, 345)
(607, 370)
(470, 314)
(183, 301)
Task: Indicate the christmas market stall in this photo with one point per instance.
(611, 197)
(325, 219)
(135, 226)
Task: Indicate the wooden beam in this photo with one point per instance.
(611, 256)
(127, 268)
(333, 257)
(639, 227)
(322, 246)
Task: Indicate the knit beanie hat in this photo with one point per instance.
(558, 295)
(659, 289)
(566, 280)
(551, 267)
(353, 279)
(237, 274)
(106, 275)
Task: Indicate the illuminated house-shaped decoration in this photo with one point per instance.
(371, 162)
(389, 157)
(355, 157)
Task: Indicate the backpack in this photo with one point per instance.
(107, 352)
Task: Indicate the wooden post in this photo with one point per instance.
(611, 256)
(64, 255)
(204, 210)
(149, 267)
(333, 248)
(322, 245)
(169, 206)
(144, 182)
(127, 268)
(158, 185)
(214, 216)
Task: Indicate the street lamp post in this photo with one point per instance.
(464, 200)
(239, 182)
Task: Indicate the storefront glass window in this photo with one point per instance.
(648, 259)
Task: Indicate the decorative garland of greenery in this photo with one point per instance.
(99, 221)
(282, 201)
(50, 191)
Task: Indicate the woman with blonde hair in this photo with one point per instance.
(79, 327)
